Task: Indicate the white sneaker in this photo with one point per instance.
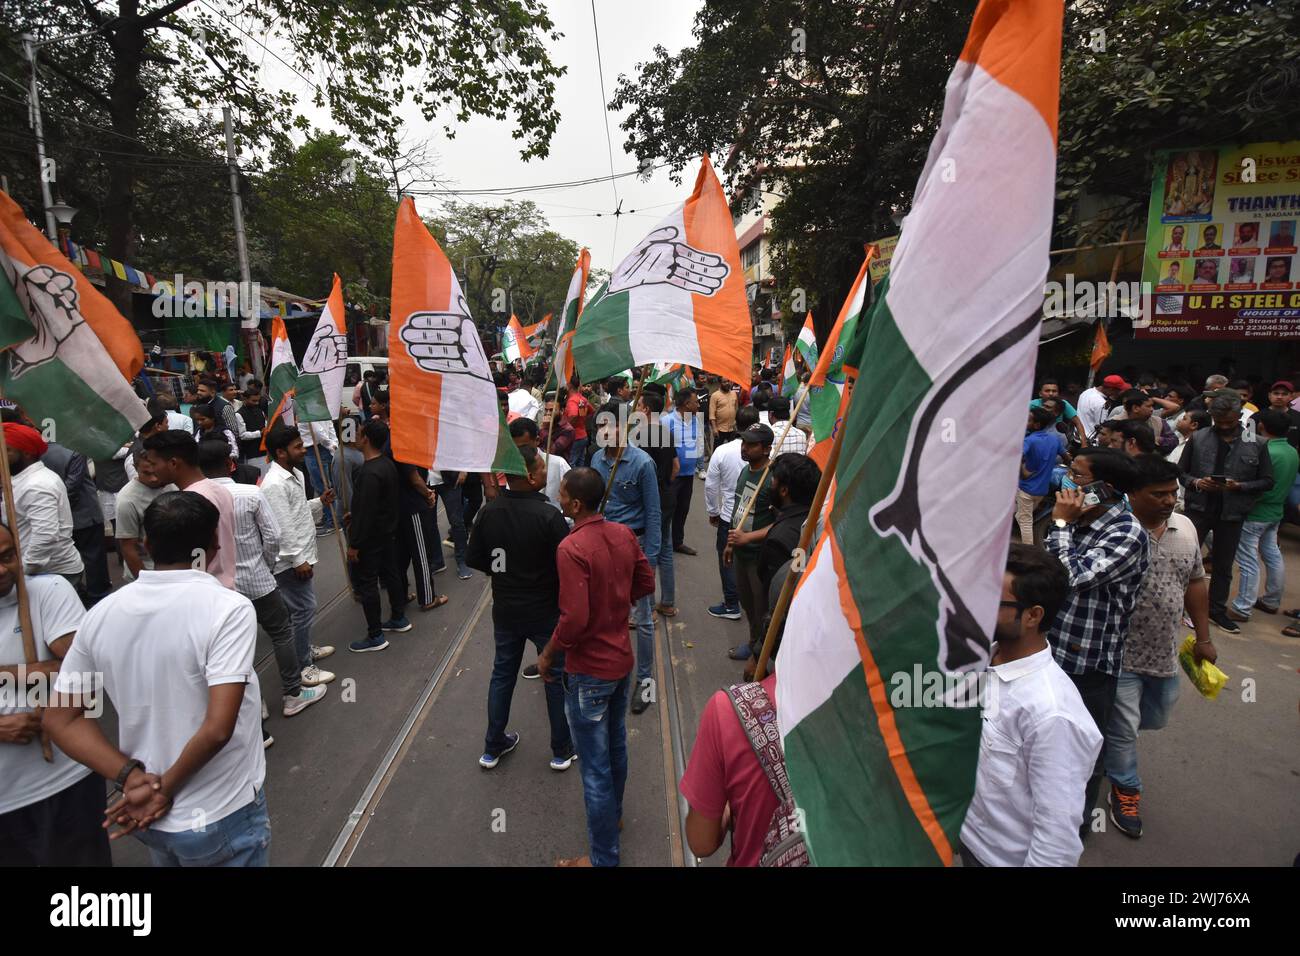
(313, 676)
(266, 712)
(320, 653)
(306, 697)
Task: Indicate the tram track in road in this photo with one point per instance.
(349, 837)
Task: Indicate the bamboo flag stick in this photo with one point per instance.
(749, 505)
(24, 602)
(325, 480)
(805, 538)
(636, 400)
(1114, 271)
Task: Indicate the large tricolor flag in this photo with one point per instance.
(69, 355)
(903, 584)
(562, 366)
(444, 409)
(319, 392)
(679, 296)
(282, 379)
(515, 346)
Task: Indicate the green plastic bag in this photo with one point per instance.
(1209, 680)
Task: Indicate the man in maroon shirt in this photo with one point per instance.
(602, 571)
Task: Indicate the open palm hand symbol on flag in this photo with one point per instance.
(327, 350)
(445, 342)
(54, 313)
(661, 259)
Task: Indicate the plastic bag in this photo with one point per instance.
(1209, 680)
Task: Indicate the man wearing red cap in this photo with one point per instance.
(1093, 402)
(42, 506)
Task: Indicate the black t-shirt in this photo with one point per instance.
(374, 503)
(657, 443)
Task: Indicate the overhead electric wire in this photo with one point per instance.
(609, 140)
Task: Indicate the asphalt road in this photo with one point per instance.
(385, 772)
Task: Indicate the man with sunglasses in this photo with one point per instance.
(1038, 743)
(1105, 551)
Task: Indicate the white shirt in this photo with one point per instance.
(156, 646)
(794, 440)
(1038, 746)
(1092, 410)
(556, 469)
(521, 402)
(257, 539)
(179, 423)
(286, 493)
(25, 777)
(312, 432)
(720, 480)
(45, 522)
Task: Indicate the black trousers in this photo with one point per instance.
(61, 830)
(89, 543)
(472, 496)
(376, 563)
(1223, 552)
(420, 549)
(1098, 693)
(683, 486)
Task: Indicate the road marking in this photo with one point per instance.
(674, 752)
(349, 837)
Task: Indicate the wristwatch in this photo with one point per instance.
(132, 764)
(1061, 523)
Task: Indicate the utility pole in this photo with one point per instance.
(251, 321)
(51, 227)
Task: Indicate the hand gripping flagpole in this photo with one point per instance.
(805, 538)
(24, 601)
(794, 412)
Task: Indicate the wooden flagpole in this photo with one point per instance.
(805, 538)
(24, 602)
(1114, 271)
(794, 412)
(636, 400)
(325, 480)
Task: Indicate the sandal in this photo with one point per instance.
(1294, 612)
(1291, 631)
(438, 601)
(666, 610)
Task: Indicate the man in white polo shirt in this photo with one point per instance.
(724, 469)
(1038, 744)
(173, 651)
(50, 813)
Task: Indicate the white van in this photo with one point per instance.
(358, 365)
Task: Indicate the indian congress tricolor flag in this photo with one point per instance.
(319, 392)
(515, 347)
(443, 401)
(282, 380)
(905, 579)
(679, 296)
(806, 344)
(563, 362)
(69, 355)
(831, 381)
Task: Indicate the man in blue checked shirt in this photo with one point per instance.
(633, 501)
(1105, 551)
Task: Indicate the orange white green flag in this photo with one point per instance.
(319, 393)
(678, 296)
(69, 355)
(444, 409)
(282, 379)
(515, 346)
(878, 692)
(573, 302)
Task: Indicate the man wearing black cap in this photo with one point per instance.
(745, 540)
(1279, 399)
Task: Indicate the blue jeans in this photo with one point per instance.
(730, 596)
(300, 599)
(667, 576)
(1258, 539)
(1142, 702)
(597, 712)
(242, 838)
(578, 453)
(510, 641)
(327, 459)
(643, 612)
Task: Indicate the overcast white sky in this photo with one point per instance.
(484, 155)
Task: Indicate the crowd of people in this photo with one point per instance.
(1133, 506)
